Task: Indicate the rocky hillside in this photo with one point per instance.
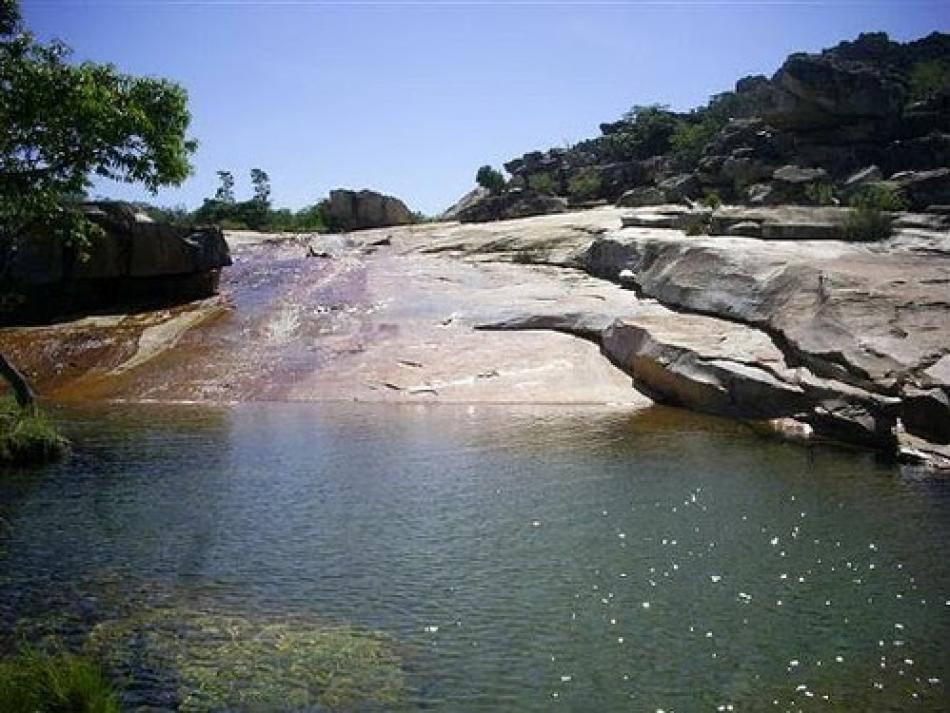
(821, 128)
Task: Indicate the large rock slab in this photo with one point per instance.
(872, 319)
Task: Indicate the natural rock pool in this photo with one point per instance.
(459, 558)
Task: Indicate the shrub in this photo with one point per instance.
(35, 682)
(490, 179)
(712, 200)
(585, 185)
(879, 196)
(27, 438)
(865, 224)
(820, 193)
(928, 77)
(689, 139)
(542, 183)
(696, 224)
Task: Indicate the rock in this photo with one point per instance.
(815, 91)
(519, 203)
(744, 171)
(747, 228)
(467, 201)
(841, 309)
(795, 175)
(871, 174)
(135, 260)
(926, 413)
(679, 187)
(357, 210)
(924, 188)
(642, 196)
(759, 194)
(704, 364)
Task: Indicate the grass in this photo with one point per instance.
(867, 224)
(27, 438)
(61, 682)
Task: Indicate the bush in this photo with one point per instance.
(865, 224)
(27, 438)
(542, 183)
(696, 224)
(54, 683)
(690, 139)
(585, 185)
(820, 193)
(879, 196)
(712, 200)
(490, 179)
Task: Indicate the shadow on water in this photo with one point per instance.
(484, 557)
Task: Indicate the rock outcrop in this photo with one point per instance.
(359, 210)
(795, 138)
(134, 260)
(517, 203)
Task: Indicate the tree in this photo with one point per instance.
(261, 182)
(225, 192)
(490, 179)
(63, 123)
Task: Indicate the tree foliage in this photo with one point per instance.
(490, 179)
(65, 122)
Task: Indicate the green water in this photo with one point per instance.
(478, 558)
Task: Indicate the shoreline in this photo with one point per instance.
(561, 309)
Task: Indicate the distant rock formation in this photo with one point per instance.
(357, 210)
(134, 261)
(516, 203)
(870, 107)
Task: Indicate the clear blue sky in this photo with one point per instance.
(410, 98)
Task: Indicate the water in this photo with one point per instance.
(512, 558)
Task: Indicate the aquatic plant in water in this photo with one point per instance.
(27, 437)
(57, 682)
(214, 661)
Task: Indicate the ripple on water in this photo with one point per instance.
(495, 558)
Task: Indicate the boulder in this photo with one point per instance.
(467, 201)
(518, 203)
(816, 91)
(134, 260)
(358, 210)
(871, 174)
(642, 196)
(923, 188)
(679, 187)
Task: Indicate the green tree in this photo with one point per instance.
(490, 179)
(261, 182)
(225, 192)
(63, 123)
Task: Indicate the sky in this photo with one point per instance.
(410, 98)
